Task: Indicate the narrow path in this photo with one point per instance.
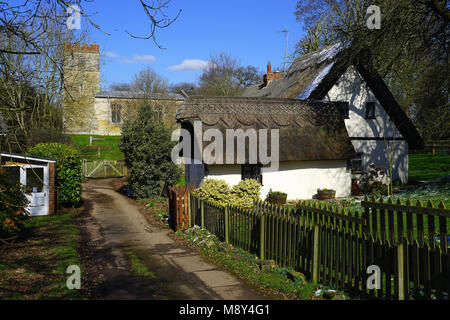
(112, 226)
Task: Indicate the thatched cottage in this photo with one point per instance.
(333, 118)
(379, 130)
(313, 152)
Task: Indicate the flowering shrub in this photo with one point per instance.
(12, 206)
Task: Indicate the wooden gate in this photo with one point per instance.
(104, 169)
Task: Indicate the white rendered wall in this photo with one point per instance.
(299, 179)
(375, 151)
(352, 88)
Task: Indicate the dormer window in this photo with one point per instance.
(370, 110)
(343, 107)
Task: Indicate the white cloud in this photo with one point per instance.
(190, 64)
(140, 59)
(110, 54)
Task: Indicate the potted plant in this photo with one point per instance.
(276, 197)
(324, 194)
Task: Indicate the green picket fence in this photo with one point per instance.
(336, 247)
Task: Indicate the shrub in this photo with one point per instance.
(67, 170)
(245, 193)
(325, 190)
(12, 206)
(276, 193)
(276, 197)
(147, 147)
(379, 190)
(216, 191)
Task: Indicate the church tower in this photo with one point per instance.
(82, 83)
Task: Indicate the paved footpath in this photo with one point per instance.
(115, 226)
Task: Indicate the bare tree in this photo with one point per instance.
(121, 86)
(32, 83)
(187, 87)
(158, 19)
(15, 17)
(225, 76)
(148, 82)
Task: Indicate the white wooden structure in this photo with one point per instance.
(37, 177)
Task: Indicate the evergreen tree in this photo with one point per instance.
(147, 147)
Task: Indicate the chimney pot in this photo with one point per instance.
(269, 68)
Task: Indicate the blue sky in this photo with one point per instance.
(247, 29)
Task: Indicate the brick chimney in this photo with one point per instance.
(271, 75)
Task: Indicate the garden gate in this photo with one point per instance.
(104, 169)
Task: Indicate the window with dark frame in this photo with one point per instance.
(116, 116)
(251, 171)
(356, 164)
(343, 107)
(370, 110)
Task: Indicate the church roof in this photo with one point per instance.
(139, 95)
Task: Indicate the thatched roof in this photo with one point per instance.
(313, 75)
(307, 130)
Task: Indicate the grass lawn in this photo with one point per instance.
(428, 166)
(35, 267)
(109, 147)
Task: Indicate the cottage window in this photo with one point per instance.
(116, 116)
(251, 171)
(370, 110)
(343, 107)
(356, 164)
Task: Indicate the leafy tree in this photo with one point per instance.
(431, 111)
(147, 148)
(225, 76)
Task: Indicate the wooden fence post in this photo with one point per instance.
(227, 226)
(84, 174)
(366, 214)
(315, 262)
(202, 209)
(262, 236)
(185, 192)
(401, 272)
(189, 207)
